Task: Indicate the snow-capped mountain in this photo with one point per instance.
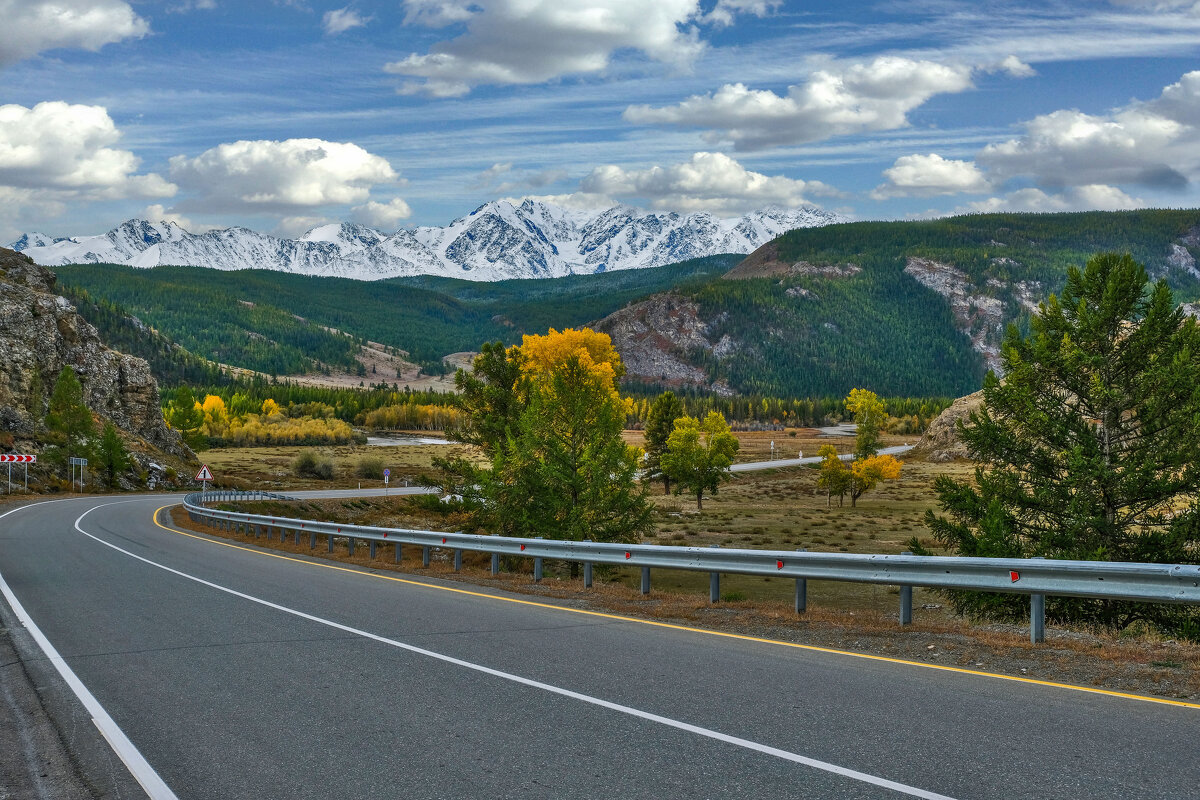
(496, 241)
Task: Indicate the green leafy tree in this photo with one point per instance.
(1088, 446)
(660, 421)
(69, 421)
(835, 477)
(870, 415)
(699, 454)
(112, 457)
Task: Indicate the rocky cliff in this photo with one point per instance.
(941, 441)
(41, 332)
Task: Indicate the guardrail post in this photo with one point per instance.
(399, 555)
(714, 584)
(587, 574)
(1037, 618)
(801, 589)
(331, 542)
(906, 599)
(457, 560)
(372, 549)
(425, 555)
(350, 546)
(537, 568)
(645, 580)
(312, 540)
(297, 532)
(495, 560)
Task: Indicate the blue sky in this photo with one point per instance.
(288, 114)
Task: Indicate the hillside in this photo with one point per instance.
(279, 323)
(908, 308)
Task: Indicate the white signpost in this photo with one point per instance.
(387, 475)
(204, 476)
(13, 458)
(82, 464)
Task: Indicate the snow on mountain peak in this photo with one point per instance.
(501, 239)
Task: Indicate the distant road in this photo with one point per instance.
(236, 672)
(751, 466)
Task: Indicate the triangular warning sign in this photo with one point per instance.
(204, 474)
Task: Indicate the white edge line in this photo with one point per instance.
(134, 761)
(786, 755)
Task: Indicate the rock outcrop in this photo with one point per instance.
(941, 441)
(40, 332)
(766, 263)
(653, 335)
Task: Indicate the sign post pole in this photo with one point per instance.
(204, 476)
(387, 474)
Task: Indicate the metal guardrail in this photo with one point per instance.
(1155, 583)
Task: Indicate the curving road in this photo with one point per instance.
(235, 673)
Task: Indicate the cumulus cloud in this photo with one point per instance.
(156, 212)
(382, 215)
(33, 26)
(838, 100)
(284, 175)
(1093, 197)
(711, 182)
(296, 226)
(342, 20)
(929, 175)
(521, 42)
(67, 152)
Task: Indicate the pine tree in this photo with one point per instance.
(1088, 446)
(111, 455)
(660, 421)
(69, 420)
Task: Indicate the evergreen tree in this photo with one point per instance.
(111, 456)
(699, 454)
(660, 421)
(69, 420)
(185, 416)
(1088, 446)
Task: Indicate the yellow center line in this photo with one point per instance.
(673, 626)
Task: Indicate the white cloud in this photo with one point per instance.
(526, 41)
(840, 99)
(580, 201)
(156, 212)
(517, 180)
(1093, 197)
(382, 215)
(1154, 144)
(342, 20)
(1015, 67)
(279, 175)
(708, 182)
(928, 175)
(725, 10)
(294, 227)
(33, 26)
(68, 151)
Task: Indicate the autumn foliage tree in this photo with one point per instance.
(835, 476)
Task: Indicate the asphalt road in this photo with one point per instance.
(751, 466)
(235, 674)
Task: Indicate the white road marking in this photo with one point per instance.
(134, 761)
(786, 755)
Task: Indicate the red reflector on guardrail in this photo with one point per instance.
(628, 555)
(778, 565)
(443, 540)
(522, 547)
(1016, 576)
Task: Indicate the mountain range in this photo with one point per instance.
(497, 241)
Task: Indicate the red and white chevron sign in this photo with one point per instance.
(15, 459)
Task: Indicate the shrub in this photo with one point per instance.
(370, 467)
(307, 465)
